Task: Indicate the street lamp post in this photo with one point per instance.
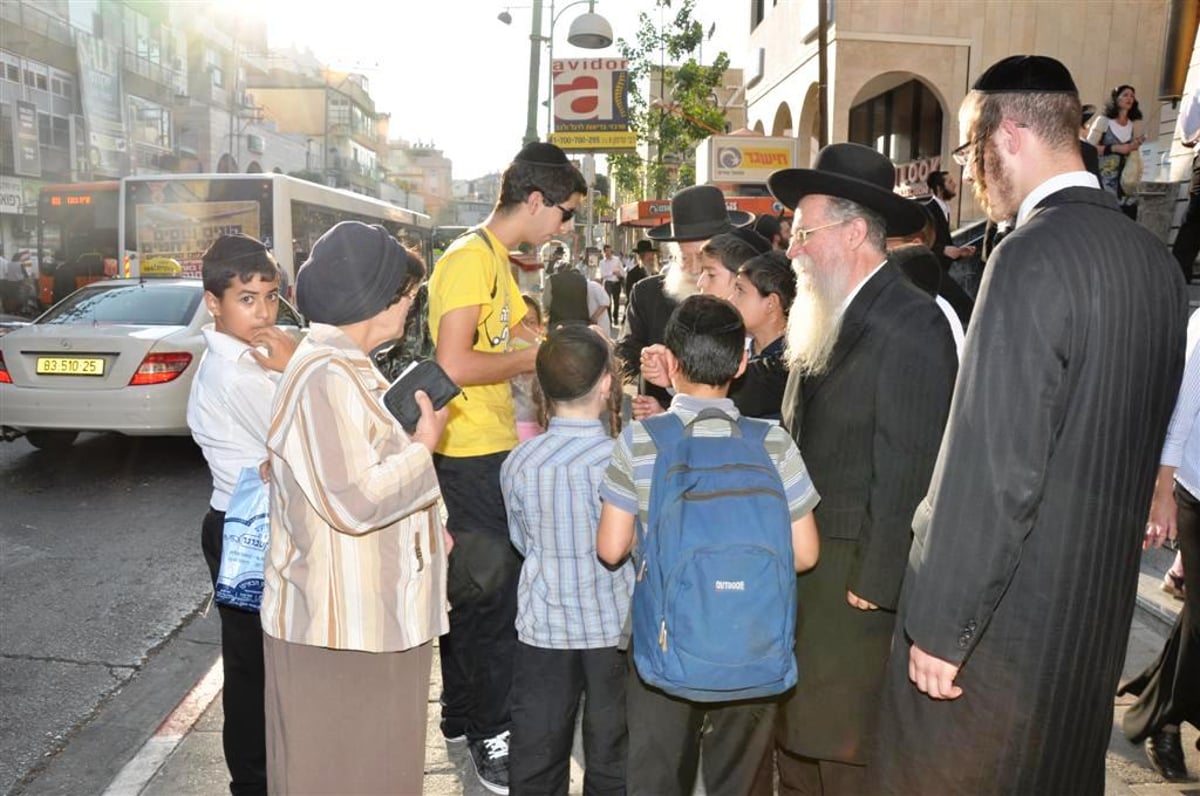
(589, 31)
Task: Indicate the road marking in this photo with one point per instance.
(138, 772)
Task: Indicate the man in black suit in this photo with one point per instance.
(943, 188)
(872, 365)
(697, 214)
(1024, 563)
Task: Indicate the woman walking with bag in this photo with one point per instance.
(1117, 139)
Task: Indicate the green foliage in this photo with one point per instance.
(665, 51)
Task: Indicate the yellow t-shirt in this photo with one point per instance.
(470, 274)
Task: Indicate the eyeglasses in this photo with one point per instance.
(801, 235)
(965, 154)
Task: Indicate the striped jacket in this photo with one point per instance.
(356, 559)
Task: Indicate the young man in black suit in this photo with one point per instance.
(872, 366)
(1023, 571)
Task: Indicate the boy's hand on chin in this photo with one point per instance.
(279, 345)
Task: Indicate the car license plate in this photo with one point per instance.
(70, 366)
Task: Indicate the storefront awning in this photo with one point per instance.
(652, 212)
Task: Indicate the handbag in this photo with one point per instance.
(245, 538)
(1131, 172)
(481, 564)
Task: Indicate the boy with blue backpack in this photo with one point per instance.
(719, 539)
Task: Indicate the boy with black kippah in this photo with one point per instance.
(475, 307)
(229, 412)
(705, 341)
(570, 607)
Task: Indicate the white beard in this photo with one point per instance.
(678, 284)
(813, 321)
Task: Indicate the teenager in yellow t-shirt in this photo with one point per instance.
(474, 308)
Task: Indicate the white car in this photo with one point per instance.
(117, 355)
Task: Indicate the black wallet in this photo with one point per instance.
(424, 375)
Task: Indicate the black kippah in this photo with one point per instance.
(1026, 73)
(542, 154)
(753, 239)
(233, 246)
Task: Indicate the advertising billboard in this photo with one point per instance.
(743, 159)
(591, 104)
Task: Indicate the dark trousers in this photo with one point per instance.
(477, 653)
(666, 735)
(244, 735)
(1187, 240)
(614, 293)
(800, 776)
(547, 684)
(1168, 691)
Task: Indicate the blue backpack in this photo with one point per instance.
(714, 607)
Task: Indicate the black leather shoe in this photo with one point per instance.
(1166, 756)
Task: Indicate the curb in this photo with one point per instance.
(138, 772)
(1160, 609)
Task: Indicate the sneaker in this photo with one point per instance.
(490, 757)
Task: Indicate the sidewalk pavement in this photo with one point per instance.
(195, 765)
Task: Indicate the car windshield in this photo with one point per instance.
(135, 304)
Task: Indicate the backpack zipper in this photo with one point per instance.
(662, 635)
(720, 493)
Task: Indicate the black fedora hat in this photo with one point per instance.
(644, 246)
(854, 172)
(698, 213)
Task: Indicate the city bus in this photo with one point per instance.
(177, 217)
(76, 236)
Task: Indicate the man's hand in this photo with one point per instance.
(432, 423)
(645, 406)
(958, 252)
(279, 344)
(932, 676)
(860, 603)
(653, 365)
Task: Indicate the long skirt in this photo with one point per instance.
(345, 722)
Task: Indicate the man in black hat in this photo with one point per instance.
(474, 307)
(645, 265)
(697, 214)
(1021, 582)
(872, 366)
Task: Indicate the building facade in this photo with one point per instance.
(897, 72)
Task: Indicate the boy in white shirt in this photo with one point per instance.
(229, 412)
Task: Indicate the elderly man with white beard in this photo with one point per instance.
(872, 366)
(697, 214)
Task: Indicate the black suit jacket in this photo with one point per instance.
(646, 317)
(1025, 558)
(868, 430)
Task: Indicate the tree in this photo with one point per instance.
(662, 64)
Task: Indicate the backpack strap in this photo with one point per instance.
(712, 413)
(665, 430)
(754, 430)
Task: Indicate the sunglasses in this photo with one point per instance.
(567, 212)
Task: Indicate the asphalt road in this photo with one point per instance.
(99, 565)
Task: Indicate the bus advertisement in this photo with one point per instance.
(169, 217)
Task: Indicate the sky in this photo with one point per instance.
(450, 73)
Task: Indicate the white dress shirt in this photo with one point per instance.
(229, 411)
(611, 269)
(1188, 123)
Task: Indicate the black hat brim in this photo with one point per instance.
(666, 232)
(902, 216)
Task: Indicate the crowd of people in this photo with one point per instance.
(911, 571)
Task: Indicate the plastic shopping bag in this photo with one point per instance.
(244, 547)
